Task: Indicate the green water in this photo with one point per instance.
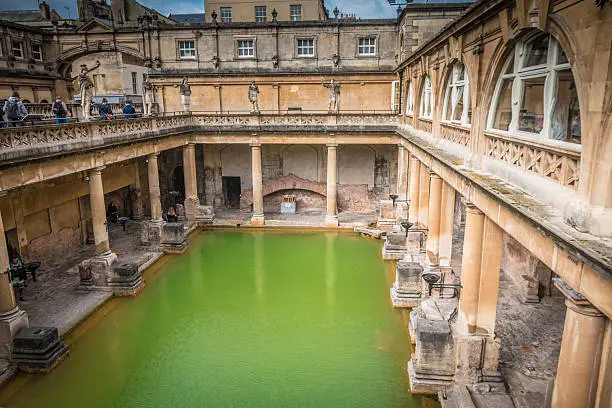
(243, 319)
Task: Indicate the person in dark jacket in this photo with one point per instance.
(60, 110)
(14, 110)
(129, 110)
(105, 110)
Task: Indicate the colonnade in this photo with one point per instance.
(584, 374)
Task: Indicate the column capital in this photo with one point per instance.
(255, 145)
(433, 174)
(332, 145)
(575, 300)
(96, 170)
(153, 155)
(190, 145)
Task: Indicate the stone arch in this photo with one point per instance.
(356, 164)
(64, 61)
(302, 161)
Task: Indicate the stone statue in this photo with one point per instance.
(334, 95)
(253, 94)
(86, 89)
(185, 91)
(147, 95)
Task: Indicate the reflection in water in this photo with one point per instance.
(260, 273)
(330, 269)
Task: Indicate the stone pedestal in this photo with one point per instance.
(401, 211)
(477, 359)
(406, 291)
(202, 214)
(151, 233)
(126, 280)
(174, 239)
(395, 246)
(38, 349)
(386, 218)
(11, 322)
(103, 272)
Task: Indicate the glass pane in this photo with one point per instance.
(503, 110)
(449, 105)
(460, 71)
(510, 67)
(537, 52)
(562, 57)
(566, 116)
(531, 115)
(458, 102)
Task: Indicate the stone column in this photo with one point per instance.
(191, 188)
(137, 210)
(470, 270)
(489, 277)
(12, 319)
(402, 173)
(98, 212)
(447, 215)
(580, 356)
(414, 185)
(258, 213)
(331, 219)
(154, 194)
(424, 196)
(435, 202)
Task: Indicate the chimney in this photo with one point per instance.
(45, 11)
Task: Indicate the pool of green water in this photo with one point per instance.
(243, 319)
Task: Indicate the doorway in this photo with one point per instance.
(231, 191)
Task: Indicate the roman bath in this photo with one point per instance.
(307, 208)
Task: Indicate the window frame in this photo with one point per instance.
(410, 99)
(264, 18)
(297, 47)
(179, 49)
(224, 19)
(452, 85)
(134, 76)
(519, 75)
(292, 16)
(237, 48)
(13, 48)
(375, 46)
(40, 52)
(422, 104)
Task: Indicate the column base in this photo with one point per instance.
(174, 238)
(477, 359)
(258, 219)
(406, 291)
(103, 272)
(11, 323)
(402, 299)
(151, 232)
(331, 221)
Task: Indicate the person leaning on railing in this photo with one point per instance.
(105, 110)
(60, 110)
(14, 110)
(128, 110)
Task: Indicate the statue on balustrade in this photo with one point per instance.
(147, 96)
(185, 91)
(334, 95)
(253, 95)
(86, 89)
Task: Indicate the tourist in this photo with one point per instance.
(92, 106)
(17, 275)
(172, 217)
(105, 110)
(112, 212)
(128, 110)
(60, 110)
(14, 110)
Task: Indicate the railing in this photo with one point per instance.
(424, 125)
(59, 137)
(455, 133)
(559, 164)
(43, 110)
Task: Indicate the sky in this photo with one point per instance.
(67, 8)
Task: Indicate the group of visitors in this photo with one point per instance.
(14, 111)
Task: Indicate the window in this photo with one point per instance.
(226, 14)
(305, 47)
(457, 106)
(17, 49)
(295, 12)
(37, 52)
(246, 48)
(410, 100)
(134, 83)
(261, 15)
(186, 49)
(426, 99)
(395, 96)
(367, 46)
(536, 94)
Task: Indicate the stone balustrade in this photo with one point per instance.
(455, 133)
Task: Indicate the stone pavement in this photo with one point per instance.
(305, 219)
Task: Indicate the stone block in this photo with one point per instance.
(477, 359)
(204, 214)
(126, 279)
(406, 290)
(38, 349)
(386, 218)
(395, 246)
(288, 208)
(174, 239)
(96, 272)
(11, 323)
(151, 233)
(401, 211)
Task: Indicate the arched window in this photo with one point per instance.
(536, 94)
(457, 106)
(426, 99)
(410, 100)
